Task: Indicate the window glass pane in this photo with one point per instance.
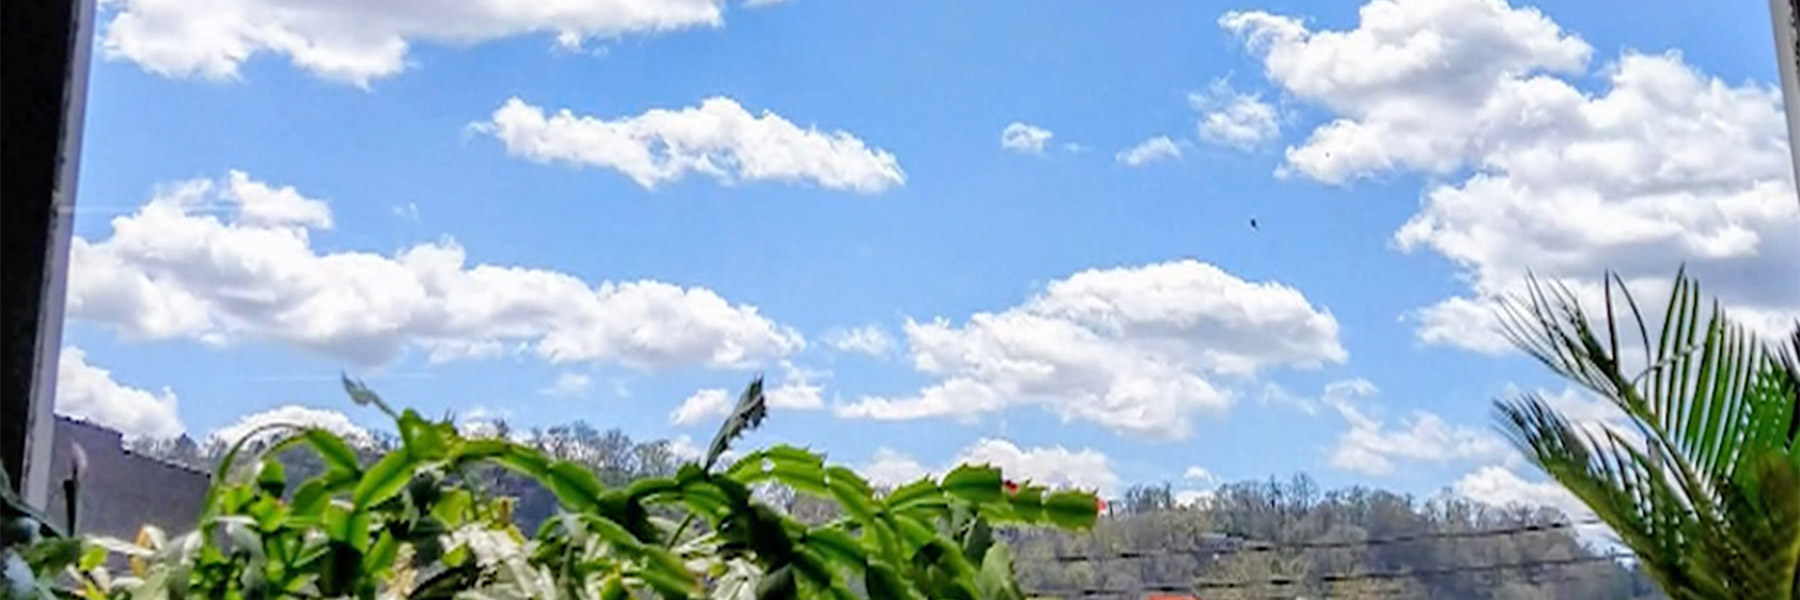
(1163, 252)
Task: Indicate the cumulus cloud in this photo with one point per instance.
(358, 42)
(569, 385)
(867, 339)
(704, 405)
(1371, 447)
(291, 414)
(1198, 473)
(718, 138)
(798, 390)
(1403, 81)
(1661, 166)
(1156, 149)
(1498, 486)
(89, 393)
(175, 269)
(1050, 466)
(1024, 138)
(1230, 118)
(1132, 349)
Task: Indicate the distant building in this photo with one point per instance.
(120, 490)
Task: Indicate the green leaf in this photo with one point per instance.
(747, 415)
(452, 507)
(804, 478)
(836, 545)
(476, 450)
(1071, 509)
(385, 479)
(53, 555)
(92, 556)
(995, 579)
(671, 583)
(350, 528)
(613, 587)
(309, 501)
(777, 584)
(913, 532)
(421, 438)
(786, 453)
(524, 461)
(978, 484)
(381, 554)
(852, 493)
(271, 478)
(336, 454)
(652, 486)
(882, 582)
(748, 466)
(1026, 504)
(215, 502)
(574, 485)
(918, 494)
(363, 396)
(978, 539)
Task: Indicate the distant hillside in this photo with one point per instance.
(1293, 540)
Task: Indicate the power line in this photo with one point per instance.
(1280, 581)
(1254, 546)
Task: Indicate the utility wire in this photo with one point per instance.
(1329, 577)
(1254, 546)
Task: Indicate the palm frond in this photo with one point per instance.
(1700, 498)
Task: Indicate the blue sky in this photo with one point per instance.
(1343, 337)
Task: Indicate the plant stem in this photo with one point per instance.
(676, 537)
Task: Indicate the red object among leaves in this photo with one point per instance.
(1011, 488)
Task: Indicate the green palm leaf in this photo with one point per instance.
(1709, 498)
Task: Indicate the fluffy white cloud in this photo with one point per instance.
(358, 42)
(797, 389)
(1501, 487)
(1024, 138)
(1663, 165)
(1132, 349)
(1159, 148)
(1231, 118)
(292, 414)
(704, 405)
(569, 385)
(1051, 466)
(175, 269)
(893, 468)
(868, 339)
(89, 393)
(718, 138)
(1369, 446)
(1403, 82)
(1198, 473)
(685, 448)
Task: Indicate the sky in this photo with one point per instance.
(1187, 242)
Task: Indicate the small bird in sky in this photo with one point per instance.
(1253, 224)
